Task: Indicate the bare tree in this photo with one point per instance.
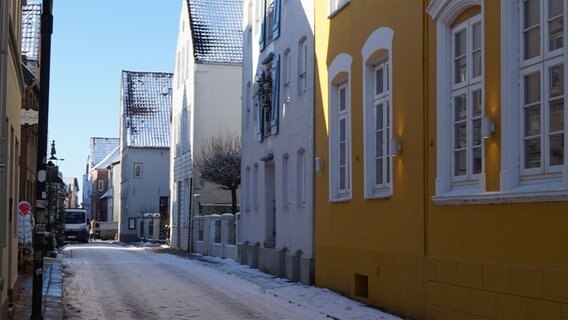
(219, 161)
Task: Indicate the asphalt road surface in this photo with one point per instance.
(110, 281)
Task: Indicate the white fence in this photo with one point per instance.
(214, 235)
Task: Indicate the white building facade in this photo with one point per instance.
(144, 149)
(276, 228)
(206, 104)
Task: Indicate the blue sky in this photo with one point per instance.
(92, 42)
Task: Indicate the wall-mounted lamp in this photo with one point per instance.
(318, 164)
(396, 148)
(487, 127)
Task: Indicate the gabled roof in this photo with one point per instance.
(216, 30)
(146, 102)
(31, 23)
(101, 148)
(112, 157)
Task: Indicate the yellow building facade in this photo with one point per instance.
(441, 180)
(11, 88)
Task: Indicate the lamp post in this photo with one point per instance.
(39, 235)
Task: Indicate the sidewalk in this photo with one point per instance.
(52, 305)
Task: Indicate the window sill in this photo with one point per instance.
(376, 195)
(338, 9)
(549, 192)
(342, 198)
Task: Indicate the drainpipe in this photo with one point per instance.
(45, 62)
(4, 27)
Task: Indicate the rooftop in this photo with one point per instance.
(216, 28)
(146, 102)
(100, 148)
(31, 31)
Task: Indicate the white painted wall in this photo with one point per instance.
(294, 217)
(206, 102)
(142, 194)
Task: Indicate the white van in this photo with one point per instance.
(76, 225)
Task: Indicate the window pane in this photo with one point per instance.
(460, 107)
(555, 33)
(476, 103)
(341, 99)
(476, 64)
(556, 82)
(532, 153)
(477, 132)
(379, 144)
(532, 121)
(461, 135)
(557, 115)
(388, 170)
(379, 85)
(460, 44)
(554, 8)
(342, 154)
(379, 171)
(342, 182)
(476, 36)
(531, 9)
(557, 150)
(460, 66)
(379, 117)
(532, 88)
(476, 160)
(532, 43)
(342, 130)
(460, 163)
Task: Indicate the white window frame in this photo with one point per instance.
(444, 12)
(518, 184)
(380, 39)
(136, 166)
(340, 66)
(469, 85)
(255, 182)
(303, 65)
(287, 74)
(101, 185)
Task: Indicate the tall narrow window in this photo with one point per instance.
(343, 139)
(287, 74)
(303, 65)
(255, 194)
(137, 170)
(339, 110)
(285, 200)
(466, 101)
(382, 127)
(247, 188)
(542, 89)
(301, 178)
(101, 185)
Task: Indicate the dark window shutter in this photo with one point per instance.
(276, 24)
(260, 112)
(261, 41)
(275, 94)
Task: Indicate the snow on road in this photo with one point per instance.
(104, 280)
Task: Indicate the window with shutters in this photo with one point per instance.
(268, 98)
(270, 21)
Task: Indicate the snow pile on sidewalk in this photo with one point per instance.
(324, 301)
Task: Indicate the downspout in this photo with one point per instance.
(425, 135)
(4, 26)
